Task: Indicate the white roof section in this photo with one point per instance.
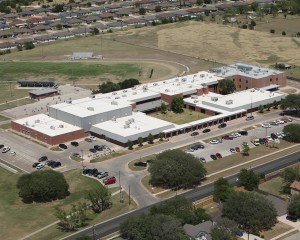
(131, 127)
(89, 106)
(47, 125)
(245, 70)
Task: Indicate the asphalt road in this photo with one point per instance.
(112, 225)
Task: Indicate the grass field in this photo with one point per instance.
(3, 118)
(22, 219)
(143, 159)
(277, 230)
(179, 118)
(273, 186)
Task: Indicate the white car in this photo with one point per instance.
(92, 138)
(280, 121)
(189, 150)
(282, 134)
(5, 149)
(236, 135)
(215, 141)
(266, 125)
(279, 135)
(269, 138)
(40, 166)
(13, 153)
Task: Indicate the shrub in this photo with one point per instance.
(272, 31)
(283, 33)
(244, 26)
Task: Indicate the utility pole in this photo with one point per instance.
(94, 232)
(129, 200)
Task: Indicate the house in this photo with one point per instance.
(116, 25)
(34, 21)
(7, 45)
(43, 93)
(135, 22)
(63, 35)
(295, 187)
(18, 23)
(107, 16)
(200, 231)
(4, 26)
(123, 12)
(82, 55)
(81, 31)
(41, 28)
(50, 18)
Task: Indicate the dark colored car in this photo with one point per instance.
(1, 146)
(35, 164)
(95, 174)
(43, 158)
(140, 164)
(98, 148)
(206, 130)
(63, 146)
(292, 218)
(273, 136)
(93, 150)
(93, 171)
(218, 155)
(199, 146)
(75, 144)
(86, 171)
(194, 134)
(213, 157)
(243, 133)
(261, 141)
(249, 118)
(227, 137)
(222, 125)
(110, 180)
(56, 164)
(49, 162)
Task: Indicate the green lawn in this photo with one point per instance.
(8, 91)
(294, 72)
(22, 219)
(179, 118)
(273, 186)
(3, 118)
(143, 159)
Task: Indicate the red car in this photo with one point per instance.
(218, 155)
(265, 140)
(228, 137)
(237, 149)
(109, 180)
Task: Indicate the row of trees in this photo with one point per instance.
(140, 140)
(109, 86)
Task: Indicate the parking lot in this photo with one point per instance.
(224, 146)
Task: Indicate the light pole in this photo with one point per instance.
(82, 158)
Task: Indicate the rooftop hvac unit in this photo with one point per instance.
(145, 87)
(202, 75)
(90, 108)
(183, 79)
(125, 90)
(37, 121)
(52, 127)
(69, 101)
(26, 123)
(252, 90)
(228, 102)
(132, 119)
(124, 95)
(195, 101)
(195, 75)
(194, 97)
(126, 126)
(114, 103)
(92, 96)
(134, 93)
(117, 97)
(164, 81)
(178, 84)
(61, 126)
(155, 84)
(114, 118)
(176, 79)
(166, 90)
(127, 122)
(32, 125)
(214, 99)
(114, 93)
(133, 88)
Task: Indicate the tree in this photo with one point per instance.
(294, 206)
(140, 141)
(245, 149)
(289, 176)
(291, 101)
(261, 108)
(58, 8)
(142, 11)
(161, 136)
(199, 2)
(227, 86)
(73, 219)
(177, 104)
(129, 144)
(240, 208)
(42, 186)
(222, 189)
(224, 229)
(19, 47)
(128, 83)
(182, 209)
(29, 45)
(158, 8)
(275, 104)
(254, 6)
(175, 168)
(248, 179)
(149, 227)
(253, 23)
(163, 107)
(268, 106)
(100, 199)
(292, 132)
(150, 138)
(95, 31)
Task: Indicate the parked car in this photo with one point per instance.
(235, 135)
(140, 164)
(13, 153)
(202, 160)
(77, 155)
(261, 141)
(35, 164)
(269, 138)
(93, 171)
(49, 163)
(102, 175)
(98, 148)
(189, 150)
(40, 166)
(273, 136)
(213, 157)
(56, 164)
(243, 132)
(88, 140)
(218, 155)
(237, 149)
(292, 218)
(199, 146)
(193, 134)
(1, 146)
(222, 125)
(279, 135)
(43, 158)
(5, 149)
(86, 171)
(227, 137)
(265, 140)
(266, 125)
(232, 150)
(93, 150)
(75, 144)
(249, 118)
(214, 141)
(63, 146)
(93, 138)
(206, 130)
(109, 180)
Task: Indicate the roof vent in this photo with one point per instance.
(37, 121)
(61, 126)
(52, 127)
(194, 97)
(195, 101)
(117, 97)
(125, 90)
(90, 109)
(114, 103)
(114, 93)
(69, 101)
(228, 102)
(214, 99)
(92, 96)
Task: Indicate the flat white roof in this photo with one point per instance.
(244, 70)
(134, 124)
(85, 107)
(47, 125)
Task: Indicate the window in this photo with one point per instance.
(246, 81)
(240, 80)
(240, 86)
(246, 87)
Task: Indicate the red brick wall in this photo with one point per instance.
(133, 106)
(46, 138)
(168, 98)
(200, 91)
